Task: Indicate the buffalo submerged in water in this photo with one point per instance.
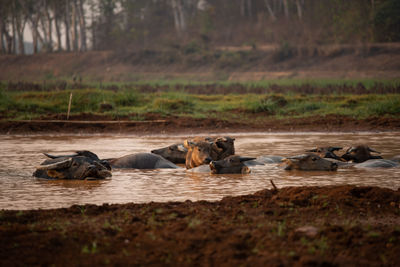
(81, 165)
(215, 155)
(359, 156)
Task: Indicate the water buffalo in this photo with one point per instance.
(202, 150)
(141, 161)
(309, 162)
(359, 154)
(396, 159)
(175, 153)
(269, 159)
(377, 163)
(222, 147)
(231, 164)
(326, 152)
(75, 166)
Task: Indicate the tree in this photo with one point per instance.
(82, 24)
(179, 17)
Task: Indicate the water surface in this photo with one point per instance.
(20, 155)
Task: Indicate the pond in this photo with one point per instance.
(20, 155)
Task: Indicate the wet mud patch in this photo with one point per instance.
(334, 225)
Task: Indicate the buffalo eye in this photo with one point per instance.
(313, 158)
(74, 164)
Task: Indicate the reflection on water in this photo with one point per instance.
(20, 155)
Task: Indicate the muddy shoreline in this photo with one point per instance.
(91, 124)
(293, 226)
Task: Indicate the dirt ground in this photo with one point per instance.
(293, 226)
(154, 124)
(381, 62)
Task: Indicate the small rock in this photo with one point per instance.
(309, 231)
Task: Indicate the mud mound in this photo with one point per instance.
(336, 225)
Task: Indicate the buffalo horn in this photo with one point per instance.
(60, 156)
(371, 150)
(54, 166)
(242, 159)
(312, 150)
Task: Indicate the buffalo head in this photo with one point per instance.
(360, 154)
(326, 152)
(175, 153)
(73, 167)
(309, 162)
(231, 164)
(198, 153)
(222, 147)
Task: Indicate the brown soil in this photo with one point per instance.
(154, 124)
(381, 62)
(294, 226)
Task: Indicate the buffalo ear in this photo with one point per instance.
(55, 174)
(312, 150)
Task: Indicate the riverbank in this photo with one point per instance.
(335, 225)
(154, 124)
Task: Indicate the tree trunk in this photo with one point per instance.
(286, 8)
(242, 8)
(2, 40)
(58, 33)
(67, 17)
(270, 10)
(45, 40)
(182, 16)
(36, 37)
(20, 21)
(179, 17)
(82, 25)
(49, 27)
(74, 29)
(249, 4)
(14, 34)
(299, 9)
(20, 32)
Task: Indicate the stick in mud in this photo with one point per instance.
(275, 188)
(69, 105)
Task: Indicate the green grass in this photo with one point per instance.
(131, 103)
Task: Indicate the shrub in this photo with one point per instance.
(173, 105)
(270, 104)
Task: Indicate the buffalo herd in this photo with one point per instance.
(215, 155)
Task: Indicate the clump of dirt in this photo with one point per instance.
(334, 225)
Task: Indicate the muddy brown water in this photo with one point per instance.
(20, 155)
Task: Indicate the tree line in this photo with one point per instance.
(81, 25)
